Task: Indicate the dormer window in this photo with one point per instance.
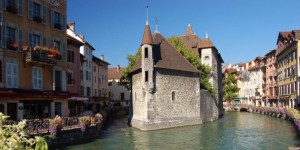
(146, 52)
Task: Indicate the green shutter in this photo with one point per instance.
(52, 18)
(3, 4)
(20, 39)
(44, 14)
(20, 4)
(44, 41)
(63, 22)
(30, 9)
(29, 39)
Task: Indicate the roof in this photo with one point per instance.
(271, 52)
(206, 43)
(167, 57)
(98, 60)
(72, 40)
(115, 73)
(147, 38)
(190, 39)
(189, 31)
(230, 70)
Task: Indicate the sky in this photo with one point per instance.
(240, 29)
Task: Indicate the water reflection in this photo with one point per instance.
(234, 131)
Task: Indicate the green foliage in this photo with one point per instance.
(192, 57)
(132, 60)
(229, 89)
(14, 137)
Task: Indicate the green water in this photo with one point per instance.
(235, 131)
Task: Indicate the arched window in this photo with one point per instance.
(173, 95)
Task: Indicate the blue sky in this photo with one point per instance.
(240, 29)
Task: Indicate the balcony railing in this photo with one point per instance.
(40, 57)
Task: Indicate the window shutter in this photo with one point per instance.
(40, 78)
(3, 36)
(44, 41)
(20, 39)
(63, 22)
(52, 18)
(29, 39)
(44, 14)
(51, 43)
(8, 75)
(0, 71)
(3, 3)
(15, 75)
(63, 51)
(30, 9)
(20, 11)
(63, 77)
(34, 81)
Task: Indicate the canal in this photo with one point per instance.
(236, 130)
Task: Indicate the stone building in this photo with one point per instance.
(210, 56)
(165, 86)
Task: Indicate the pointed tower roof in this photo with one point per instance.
(167, 57)
(189, 30)
(206, 43)
(147, 38)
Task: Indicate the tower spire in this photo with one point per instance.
(206, 35)
(147, 7)
(156, 27)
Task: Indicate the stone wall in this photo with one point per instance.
(156, 109)
(208, 107)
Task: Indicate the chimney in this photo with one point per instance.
(102, 57)
(72, 26)
(118, 68)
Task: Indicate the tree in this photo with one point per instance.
(229, 89)
(191, 56)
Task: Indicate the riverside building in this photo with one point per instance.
(33, 59)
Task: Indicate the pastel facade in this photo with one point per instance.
(118, 92)
(287, 55)
(33, 59)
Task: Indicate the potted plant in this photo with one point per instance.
(55, 125)
(83, 122)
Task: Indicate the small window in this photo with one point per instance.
(146, 76)
(146, 52)
(206, 58)
(173, 96)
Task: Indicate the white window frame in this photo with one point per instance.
(37, 78)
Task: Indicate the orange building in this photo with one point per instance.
(33, 58)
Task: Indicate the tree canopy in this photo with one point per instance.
(229, 89)
(191, 56)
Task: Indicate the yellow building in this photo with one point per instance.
(286, 55)
(33, 58)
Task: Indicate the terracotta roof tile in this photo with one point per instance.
(165, 56)
(115, 73)
(206, 43)
(147, 38)
(189, 31)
